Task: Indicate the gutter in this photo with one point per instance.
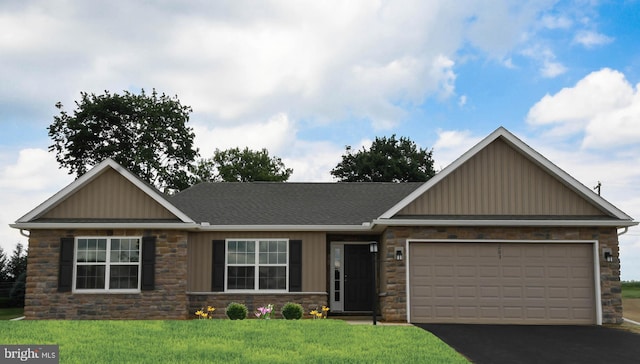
(435, 222)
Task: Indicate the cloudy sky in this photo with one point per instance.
(306, 78)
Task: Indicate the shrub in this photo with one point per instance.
(292, 311)
(237, 311)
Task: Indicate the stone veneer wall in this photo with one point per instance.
(220, 301)
(393, 301)
(167, 301)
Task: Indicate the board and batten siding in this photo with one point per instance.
(109, 196)
(500, 181)
(314, 257)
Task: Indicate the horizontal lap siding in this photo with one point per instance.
(314, 261)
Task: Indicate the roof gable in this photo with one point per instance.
(503, 176)
(107, 191)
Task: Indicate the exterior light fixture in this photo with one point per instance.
(607, 254)
(399, 253)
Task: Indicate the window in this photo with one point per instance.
(107, 264)
(257, 264)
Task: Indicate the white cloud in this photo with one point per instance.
(591, 39)
(549, 67)
(603, 105)
(25, 183)
(556, 22)
(274, 134)
(237, 62)
(451, 144)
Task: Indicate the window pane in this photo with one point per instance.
(282, 246)
(90, 277)
(273, 277)
(264, 258)
(241, 278)
(124, 250)
(124, 277)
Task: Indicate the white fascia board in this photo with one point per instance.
(92, 174)
(103, 225)
(536, 157)
(436, 222)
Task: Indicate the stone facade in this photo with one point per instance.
(167, 301)
(393, 300)
(220, 301)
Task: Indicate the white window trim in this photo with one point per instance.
(108, 264)
(257, 265)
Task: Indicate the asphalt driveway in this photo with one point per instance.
(497, 344)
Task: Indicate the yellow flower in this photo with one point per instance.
(204, 314)
(325, 308)
(210, 309)
(199, 313)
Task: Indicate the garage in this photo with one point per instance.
(502, 282)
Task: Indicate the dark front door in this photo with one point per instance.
(357, 278)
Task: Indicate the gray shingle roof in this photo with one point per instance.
(275, 203)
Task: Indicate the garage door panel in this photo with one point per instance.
(542, 283)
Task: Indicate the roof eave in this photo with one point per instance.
(503, 222)
(102, 225)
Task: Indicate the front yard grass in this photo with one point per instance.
(216, 341)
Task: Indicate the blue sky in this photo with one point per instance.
(305, 78)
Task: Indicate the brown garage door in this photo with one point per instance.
(505, 283)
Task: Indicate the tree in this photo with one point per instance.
(17, 263)
(148, 134)
(387, 160)
(235, 165)
(4, 266)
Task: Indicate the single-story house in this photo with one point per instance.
(500, 236)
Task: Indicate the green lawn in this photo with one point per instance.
(630, 289)
(217, 341)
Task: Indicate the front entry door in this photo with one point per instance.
(357, 278)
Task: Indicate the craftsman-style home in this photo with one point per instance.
(502, 235)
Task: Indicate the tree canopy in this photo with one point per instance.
(148, 134)
(387, 160)
(235, 165)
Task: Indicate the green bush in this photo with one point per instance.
(237, 311)
(292, 311)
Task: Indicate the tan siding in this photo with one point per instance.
(109, 196)
(314, 257)
(500, 181)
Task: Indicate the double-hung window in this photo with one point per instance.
(257, 264)
(107, 264)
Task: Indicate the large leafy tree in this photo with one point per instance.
(387, 160)
(236, 165)
(148, 134)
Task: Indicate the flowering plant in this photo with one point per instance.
(265, 312)
(320, 313)
(205, 314)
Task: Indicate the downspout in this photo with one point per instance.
(626, 228)
(23, 234)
